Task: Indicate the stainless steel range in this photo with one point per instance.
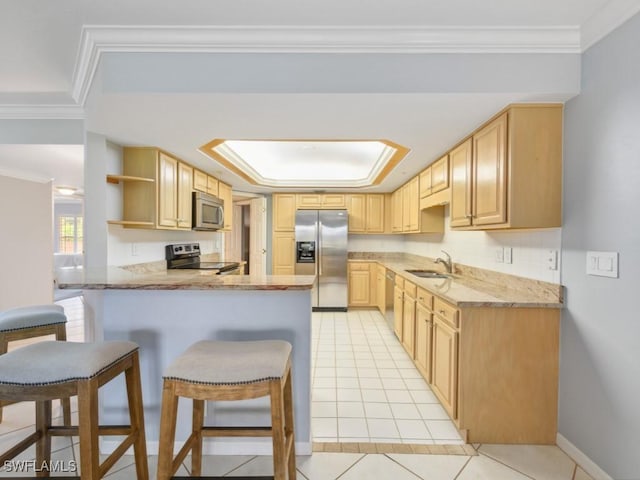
(187, 256)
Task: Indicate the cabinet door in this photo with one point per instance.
(212, 186)
(440, 174)
(398, 297)
(460, 159)
(309, 200)
(168, 191)
(380, 290)
(283, 253)
(445, 366)
(408, 324)
(333, 200)
(375, 213)
(413, 193)
(425, 183)
(357, 208)
(396, 210)
(225, 193)
(423, 341)
(284, 212)
(490, 173)
(200, 181)
(359, 288)
(185, 187)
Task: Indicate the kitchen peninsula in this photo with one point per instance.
(166, 311)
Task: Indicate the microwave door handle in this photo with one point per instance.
(221, 216)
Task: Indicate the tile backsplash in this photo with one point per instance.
(530, 249)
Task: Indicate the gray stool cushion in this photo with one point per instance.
(231, 363)
(48, 363)
(29, 317)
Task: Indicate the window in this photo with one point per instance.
(70, 234)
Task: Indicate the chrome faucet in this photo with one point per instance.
(447, 263)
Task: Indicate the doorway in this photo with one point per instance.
(246, 242)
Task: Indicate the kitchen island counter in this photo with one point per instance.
(167, 311)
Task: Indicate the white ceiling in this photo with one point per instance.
(42, 65)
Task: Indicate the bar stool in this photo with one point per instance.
(48, 370)
(217, 370)
(34, 321)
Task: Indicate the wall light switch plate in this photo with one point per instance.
(134, 249)
(499, 255)
(508, 252)
(602, 264)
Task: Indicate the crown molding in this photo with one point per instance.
(603, 22)
(41, 112)
(97, 40)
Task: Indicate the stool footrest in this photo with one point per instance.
(104, 430)
(236, 431)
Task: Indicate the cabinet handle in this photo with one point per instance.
(443, 313)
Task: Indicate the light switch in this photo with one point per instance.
(508, 252)
(499, 255)
(603, 264)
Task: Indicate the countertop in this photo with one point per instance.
(474, 290)
(117, 278)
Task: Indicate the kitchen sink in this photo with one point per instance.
(428, 274)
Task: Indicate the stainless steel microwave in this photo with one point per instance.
(208, 212)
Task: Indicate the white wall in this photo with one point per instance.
(600, 337)
(26, 216)
(477, 249)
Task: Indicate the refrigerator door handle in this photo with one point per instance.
(319, 249)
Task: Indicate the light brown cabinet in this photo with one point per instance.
(205, 183)
(284, 212)
(321, 200)
(381, 289)
(439, 175)
(362, 286)
(423, 333)
(510, 175)
(366, 212)
(397, 198)
(226, 195)
(444, 380)
(156, 190)
(283, 255)
(409, 318)
(398, 305)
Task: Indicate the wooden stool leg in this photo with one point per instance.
(168, 419)
(289, 427)
(136, 414)
(88, 429)
(61, 336)
(277, 430)
(4, 344)
(43, 444)
(196, 450)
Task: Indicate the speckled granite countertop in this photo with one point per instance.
(472, 287)
(117, 278)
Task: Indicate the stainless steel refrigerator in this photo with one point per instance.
(321, 249)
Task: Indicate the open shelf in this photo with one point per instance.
(127, 178)
(129, 223)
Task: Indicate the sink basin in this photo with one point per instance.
(428, 274)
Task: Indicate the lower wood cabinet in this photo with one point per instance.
(381, 289)
(398, 303)
(444, 381)
(362, 284)
(423, 340)
(409, 318)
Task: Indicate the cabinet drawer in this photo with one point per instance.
(410, 289)
(358, 266)
(399, 281)
(446, 311)
(425, 298)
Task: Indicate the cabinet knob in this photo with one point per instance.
(443, 313)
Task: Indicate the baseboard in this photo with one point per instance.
(588, 465)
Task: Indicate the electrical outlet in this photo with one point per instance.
(499, 255)
(134, 249)
(507, 254)
(552, 259)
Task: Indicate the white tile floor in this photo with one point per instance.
(367, 389)
(494, 462)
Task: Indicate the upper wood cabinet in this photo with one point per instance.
(283, 256)
(440, 175)
(425, 182)
(284, 212)
(321, 200)
(366, 212)
(514, 178)
(205, 183)
(162, 202)
(226, 195)
(407, 217)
